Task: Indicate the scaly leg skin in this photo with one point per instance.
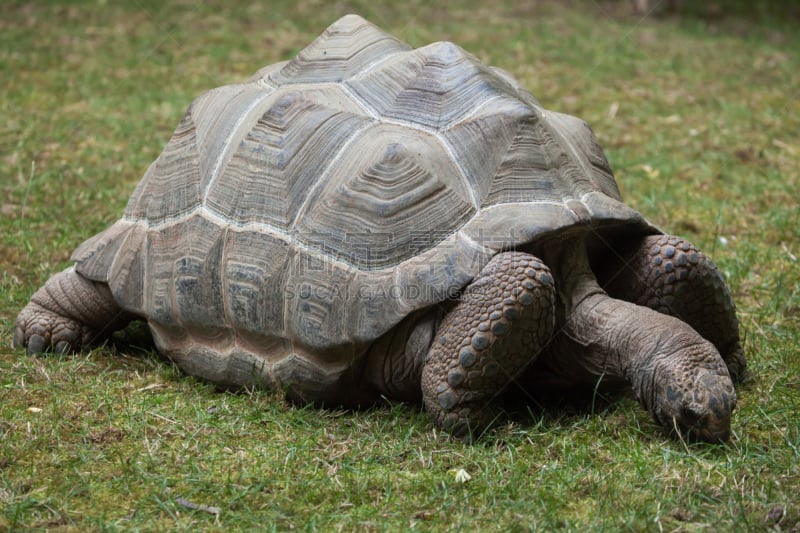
(502, 321)
(678, 375)
(671, 276)
(67, 314)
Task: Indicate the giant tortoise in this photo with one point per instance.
(370, 220)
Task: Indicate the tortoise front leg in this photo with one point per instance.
(500, 324)
(669, 275)
(68, 313)
(678, 375)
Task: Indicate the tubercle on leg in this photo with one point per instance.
(670, 275)
(498, 327)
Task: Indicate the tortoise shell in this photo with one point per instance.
(295, 218)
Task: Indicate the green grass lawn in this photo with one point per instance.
(700, 118)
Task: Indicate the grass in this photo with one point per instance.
(701, 121)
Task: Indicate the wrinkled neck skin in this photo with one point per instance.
(678, 376)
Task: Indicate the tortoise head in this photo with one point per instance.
(694, 395)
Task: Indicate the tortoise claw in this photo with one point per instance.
(19, 338)
(62, 348)
(36, 344)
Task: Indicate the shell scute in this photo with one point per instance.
(346, 48)
(498, 119)
(183, 270)
(315, 297)
(431, 87)
(529, 168)
(254, 266)
(281, 158)
(171, 186)
(385, 187)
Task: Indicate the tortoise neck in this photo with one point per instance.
(602, 337)
(588, 317)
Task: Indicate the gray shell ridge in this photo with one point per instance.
(295, 218)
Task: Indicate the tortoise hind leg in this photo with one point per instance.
(500, 324)
(68, 313)
(671, 276)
